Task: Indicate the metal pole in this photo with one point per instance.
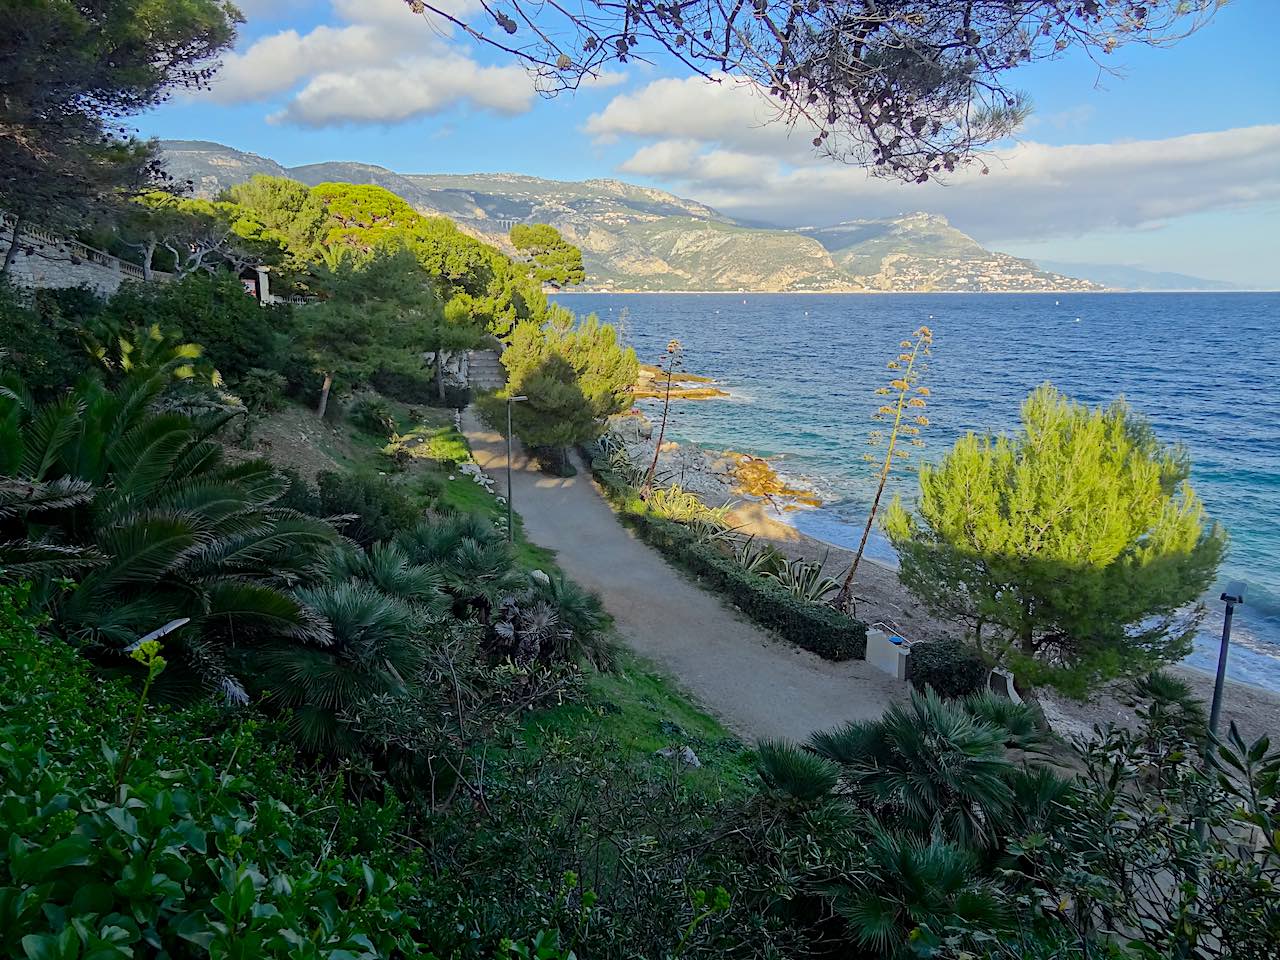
(510, 530)
(1215, 711)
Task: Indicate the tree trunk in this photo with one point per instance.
(440, 375)
(12, 253)
(148, 254)
(324, 395)
(647, 487)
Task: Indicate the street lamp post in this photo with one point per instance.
(510, 528)
(1232, 596)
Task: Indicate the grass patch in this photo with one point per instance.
(644, 712)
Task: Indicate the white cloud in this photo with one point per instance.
(420, 87)
(380, 63)
(710, 140)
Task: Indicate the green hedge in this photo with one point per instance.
(950, 667)
(813, 626)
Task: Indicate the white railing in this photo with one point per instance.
(74, 250)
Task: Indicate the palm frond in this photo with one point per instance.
(798, 773)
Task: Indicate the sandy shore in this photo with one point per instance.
(881, 598)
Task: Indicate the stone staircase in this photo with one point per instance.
(485, 371)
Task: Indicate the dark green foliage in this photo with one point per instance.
(228, 849)
(300, 495)
(370, 413)
(162, 528)
(408, 387)
(236, 333)
(373, 508)
(950, 667)
(927, 766)
(552, 258)
(814, 626)
(261, 391)
(797, 773)
(40, 336)
(917, 893)
(71, 74)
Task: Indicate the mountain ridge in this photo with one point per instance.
(643, 239)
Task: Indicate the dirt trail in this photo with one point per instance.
(758, 685)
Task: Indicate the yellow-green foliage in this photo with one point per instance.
(1076, 542)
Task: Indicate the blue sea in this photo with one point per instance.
(801, 371)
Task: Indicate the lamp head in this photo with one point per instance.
(1234, 592)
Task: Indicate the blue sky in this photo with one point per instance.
(1175, 165)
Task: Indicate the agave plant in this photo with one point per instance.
(680, 506)
(759, 558)
(805, 579)
(172, 531)
(929, 766)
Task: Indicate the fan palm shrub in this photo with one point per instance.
(375, 646)
(929, 766)
(582, 616)
(476, 565)
(915, 893)
(800, 774)
(173, 530)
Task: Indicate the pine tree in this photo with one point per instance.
(575, 376)
(1071, 550)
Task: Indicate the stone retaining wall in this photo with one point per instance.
(45, 260)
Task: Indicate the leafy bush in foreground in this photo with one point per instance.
(380, 509)
(195, 852)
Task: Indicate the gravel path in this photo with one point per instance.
(758, 685)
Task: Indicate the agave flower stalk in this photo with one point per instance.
(906, 371)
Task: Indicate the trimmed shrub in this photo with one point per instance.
(813, 626)
(950, 667)
(380, 508)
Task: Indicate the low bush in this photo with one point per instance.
(261, 391)
(380, 508)
(370, 413)
(813, 626)
(40, 336)
(950, 667)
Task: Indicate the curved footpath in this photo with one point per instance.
(758, 685)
